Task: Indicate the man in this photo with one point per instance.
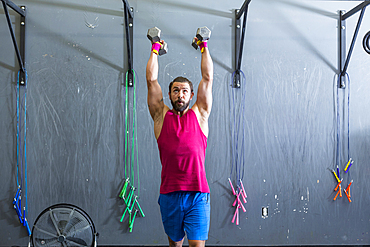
(181, 134)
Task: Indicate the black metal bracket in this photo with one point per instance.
(129, 23)
(342, 60)
(239, 41)
(22, 49)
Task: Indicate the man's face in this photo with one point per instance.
(180, 96)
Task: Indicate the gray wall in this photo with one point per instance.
(76, 117)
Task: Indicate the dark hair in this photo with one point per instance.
(181, 79)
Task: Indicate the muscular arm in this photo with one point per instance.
(155, 97)
(156, 105)
(204, 95)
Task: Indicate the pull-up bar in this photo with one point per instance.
(343, 61)
(19, 51)
(129, 19)
(239, 41)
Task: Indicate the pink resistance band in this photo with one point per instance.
(237, 202)
(156, 47)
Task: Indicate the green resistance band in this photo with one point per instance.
(128, 195)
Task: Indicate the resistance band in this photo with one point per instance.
(128, 191)
(21, 156)
(237, 123)
(336, 173)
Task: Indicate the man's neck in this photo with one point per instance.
(180, 113)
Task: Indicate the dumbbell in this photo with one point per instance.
(154, 35)
(203, 34)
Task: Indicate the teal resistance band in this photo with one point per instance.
(128, 191)
(126, 125)
(134, 143)
(133, 133)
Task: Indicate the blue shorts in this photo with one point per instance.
(185, 211)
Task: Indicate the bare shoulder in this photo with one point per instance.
(202, 117)
(158, 121)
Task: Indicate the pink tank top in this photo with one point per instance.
(182, 149)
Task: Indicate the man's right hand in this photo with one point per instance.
(159, 47)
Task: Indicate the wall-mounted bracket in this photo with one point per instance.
(129, 23)
(21, 50)
(342, 60)
(239, 41)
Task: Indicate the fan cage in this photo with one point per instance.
(63, 225)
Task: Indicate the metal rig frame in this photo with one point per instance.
(343, 61)
(129, 23)
(22, 49)
(239, 41)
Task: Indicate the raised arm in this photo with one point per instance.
(156, 106)
(204, 95)
(155, 96)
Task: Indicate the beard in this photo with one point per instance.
(180, 108)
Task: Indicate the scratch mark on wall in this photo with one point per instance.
(52, 115)
(90, 21)
(308, 195)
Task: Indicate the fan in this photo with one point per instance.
(63, 225)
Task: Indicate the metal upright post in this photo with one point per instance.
(23, 46)
(239, 40)
(342, 49)
(236, 82)
(129, 17)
